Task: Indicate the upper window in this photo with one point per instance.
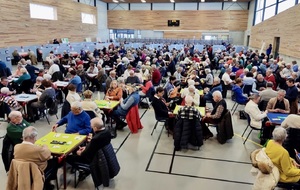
(285, 5)
(88, 18)
(43, 12)
(270, 2)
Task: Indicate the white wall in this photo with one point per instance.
(103, 32)
(151, 34)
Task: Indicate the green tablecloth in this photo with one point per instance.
(105, 104)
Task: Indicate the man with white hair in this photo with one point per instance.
(209, 80)
(132, 79)
(15, 127)
(287, 71)
(53, 68)
(77, 120)
(216, 115)
(178, 75)
(10, 101)
(226, 82)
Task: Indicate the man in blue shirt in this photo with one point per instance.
(78, 121)
(124, 107)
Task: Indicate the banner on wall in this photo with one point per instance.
(65, 40)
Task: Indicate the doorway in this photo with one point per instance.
(248, 40)
(276, 46)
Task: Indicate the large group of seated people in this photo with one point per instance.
(185, 77)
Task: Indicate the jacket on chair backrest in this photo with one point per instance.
(24, 176)
(187, 131)
(225, 130)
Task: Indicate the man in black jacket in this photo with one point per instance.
(86, 154)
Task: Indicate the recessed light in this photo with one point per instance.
(234, 0)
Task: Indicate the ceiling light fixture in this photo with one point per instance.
(234, 0)
(202, 1)
(143, 1)
(115, 1)
(172, 1)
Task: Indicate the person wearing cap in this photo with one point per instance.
(77, 120)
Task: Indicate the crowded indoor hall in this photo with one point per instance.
(133, 95)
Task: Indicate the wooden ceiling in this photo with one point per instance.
(168, 1)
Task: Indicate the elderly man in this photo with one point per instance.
(268, 93)
(53, 68)
(132, 79)
(124, 107)
(15, 127)
(259, 84)
(101, 138)
(226, 82)
(287, 71)
(178, 74)
(77, 120)
(271, 78)
(279, 104)
(215, 87)
(216, 115)
(40, 155)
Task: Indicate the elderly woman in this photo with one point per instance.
(38, 85)
(209, 79)
(24, 76)
(88, 104)
(288, 167)
(192, 92)
(72, 96)
(114, 92)
(148, 85)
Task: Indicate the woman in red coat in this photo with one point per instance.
(271, 78)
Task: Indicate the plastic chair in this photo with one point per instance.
(50, 104)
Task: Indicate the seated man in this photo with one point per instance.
(125, 105)
(16, 126)
(268, 93)
(132, 79)
(40, 155)
(238, 92)
(279, 104)
(76, 80)
(215, 116)
(86, 154)
(217, 86)
(77, 120)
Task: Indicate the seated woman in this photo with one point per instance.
(148, 85)
(209, 79)
(215, 116)
(72, 96)
(18, 71)
(172, 90)
(114, 92)
(38, 85)
(288, 167)
(238, 92)
(43, 98)
(24, 76)
(89, 105)
(11, 103)
(101, 78)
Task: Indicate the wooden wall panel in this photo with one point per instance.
(17, 28)
(182, 34)
(189, 20)
(285, 25)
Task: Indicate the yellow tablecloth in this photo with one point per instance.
(199, 91)
(71, 142)
(201, 110)
(105, 104)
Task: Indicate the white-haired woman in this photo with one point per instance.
(24, 76)
(288, 167)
